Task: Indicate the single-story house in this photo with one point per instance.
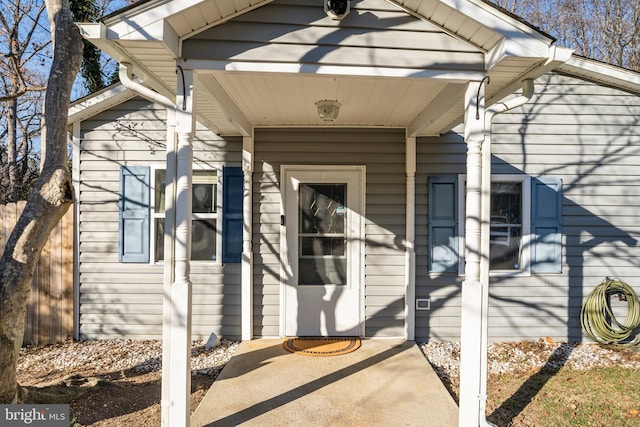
(426, 169)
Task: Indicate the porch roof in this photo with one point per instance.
(253, 88)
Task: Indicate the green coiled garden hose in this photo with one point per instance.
(598, 320)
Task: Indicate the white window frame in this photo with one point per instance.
(217, 215)
(525, 181)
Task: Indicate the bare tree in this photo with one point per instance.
(23, 51)
(605, 30)
(50, 199)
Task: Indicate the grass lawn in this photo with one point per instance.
(597, 397)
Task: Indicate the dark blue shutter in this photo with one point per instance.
(135, 213)
(546, 225)
(232, 191)
(443, 224)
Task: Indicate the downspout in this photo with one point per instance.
(248, 149)
(75, 139)
(410, 256)
(125, 74)
(499, 108)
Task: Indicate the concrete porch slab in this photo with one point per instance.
(383, 383)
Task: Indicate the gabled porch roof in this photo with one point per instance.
(390, 63)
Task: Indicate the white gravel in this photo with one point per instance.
(142, 356)
(509, 357)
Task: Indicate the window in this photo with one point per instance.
(216, 227)
(204, 215)
(509, 224)
(524, 230)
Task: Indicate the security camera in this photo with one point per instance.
(337, 9)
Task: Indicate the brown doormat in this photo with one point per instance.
(322, 347)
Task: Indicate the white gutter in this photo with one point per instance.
(125, 73)
(248, 149)
(499, 108)
(76, 141)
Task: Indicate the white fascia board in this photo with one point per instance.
(520, 39)
(99, 102)
(133, 30)
(137, 18)
(160, 31)
(608, 74)
(247, 8)
(495, 54)
(102, 35)
(150, 12)
(99, 35)
(493, 18)
(297, 68)
(92, 30)
(553, 54)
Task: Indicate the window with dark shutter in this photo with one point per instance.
(232, 192)
(525, 228)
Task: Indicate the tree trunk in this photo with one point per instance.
(50, 199)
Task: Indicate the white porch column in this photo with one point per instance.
(169, 261)
(247, 235)
(178, 346)
(410, 255)
(472, 288)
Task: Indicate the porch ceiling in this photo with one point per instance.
(289, 99)
(235, 96)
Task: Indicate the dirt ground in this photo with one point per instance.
(112, 382)
(101, 398)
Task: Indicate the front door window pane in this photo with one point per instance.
(321, 234)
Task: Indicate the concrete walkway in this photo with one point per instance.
(383, 383)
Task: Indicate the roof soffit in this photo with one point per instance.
(185, 16)
(163, 25)
(482, 24)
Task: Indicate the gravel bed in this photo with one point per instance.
(141, 356)
(145, 356)
(521, 356)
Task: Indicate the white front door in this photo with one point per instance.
(323, 241)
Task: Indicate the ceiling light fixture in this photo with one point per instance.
(328, 110)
